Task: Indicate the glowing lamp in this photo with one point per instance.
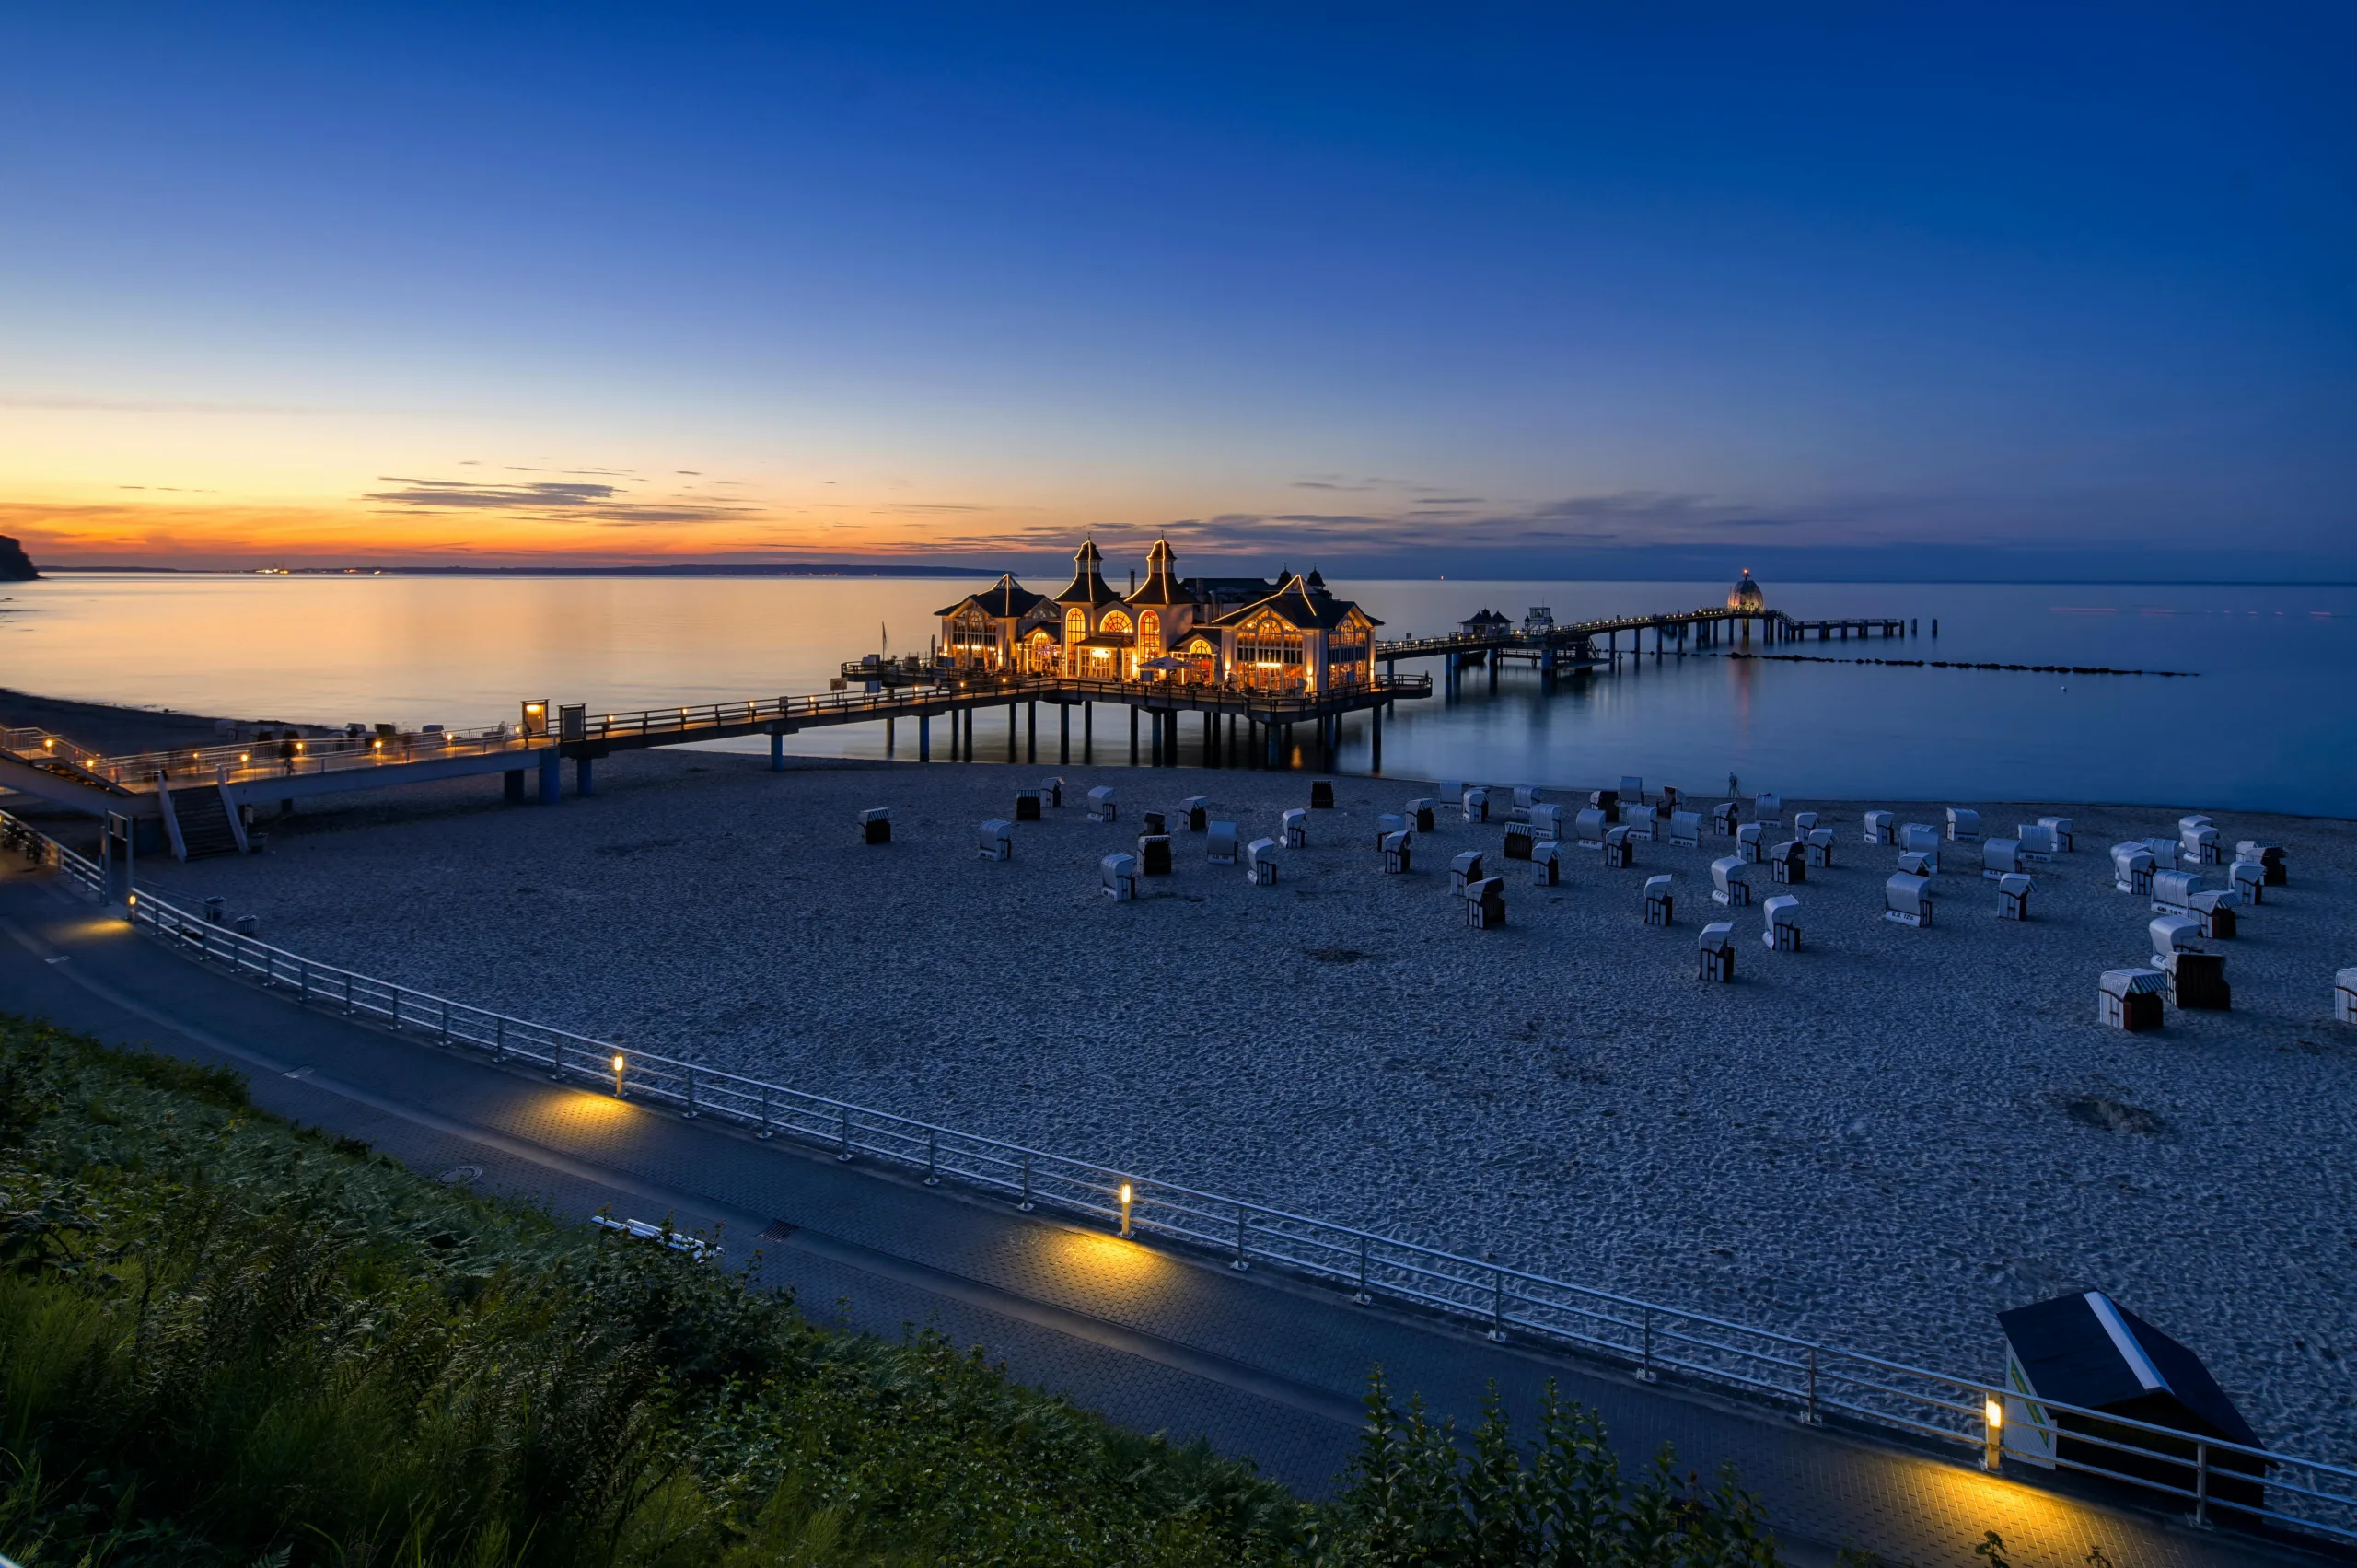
(1993, 1413)
(1992, 1440)
(1126, 1196)
(618, 1075)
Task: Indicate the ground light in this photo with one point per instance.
(1126, 1197)
(1993, 1433)
(618, 1075)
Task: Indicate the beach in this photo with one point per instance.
(1882, 1139)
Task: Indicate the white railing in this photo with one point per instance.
(2211, 1479)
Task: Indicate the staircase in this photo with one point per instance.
(204, 825)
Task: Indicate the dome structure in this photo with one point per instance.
(1745, 595)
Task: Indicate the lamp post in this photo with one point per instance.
(1127, 1196)
(618, 1075)
(1992, 1434)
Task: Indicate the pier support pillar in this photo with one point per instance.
(777, 750)
(924, 741)
(1031, 730)
(551, 777)
(1495, 661)
(1134, 735)
(515, 785)
(1374, 738)
(1088, 732)
(891, 737)
(585, 777)
(1064, 732)
(1012, 715)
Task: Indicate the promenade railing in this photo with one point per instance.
(2208, 1479)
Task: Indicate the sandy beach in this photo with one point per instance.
(1882, 1140)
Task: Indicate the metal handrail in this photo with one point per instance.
(1814, 1378)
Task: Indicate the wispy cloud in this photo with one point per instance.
(550, 500)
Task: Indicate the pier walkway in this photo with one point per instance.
(1259, 1363)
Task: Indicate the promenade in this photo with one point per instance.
(1254, 1363)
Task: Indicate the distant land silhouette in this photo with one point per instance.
(16, 566)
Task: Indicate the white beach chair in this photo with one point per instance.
(1027, 806)
(2131, 999)
(1724, 817)
(1787, 861)
(1101, 805)
(1195, 810)
(1051, 794)
(2270, 856)
(1747, 841)
(1154, 854)
(1464, 871)
(2172, 935)
(1921, 838)
(2172, 891)
(1804, 823)
(996, 841)
(1589, 825)
(2198, 846)
(1642, 822)
(1220, 842)
(1398, 853)
(1714, 953)
(2215, 911)
(1685, 830)
(2037, 841)
(1668, 799)
(1520, 836)
(1546, 821)
(1782, 932)
(1117, 878)
(1525, 796)
(1907, 900)
(1485, 903)
(1731, 882)
(2164, 853)
(1261, 862)
(2249, 879)
(1547, 863)
(1419, 813)
(1476, 804)
(1963, 827)
(2131, 869)
(1658, 902)
(1820, 849)
(1766, 808)
(2061, 828)
(2000, 857)
(1633, 790)
(875, 825)
(1386, 825)
(1294, 828)
(1880, 832)
(1620, 850)
(2012, 897)
(2344, 997)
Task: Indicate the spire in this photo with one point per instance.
(1161, 584)
(1087, 586)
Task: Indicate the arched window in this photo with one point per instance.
(1149, 633)
(1115, 622)
(1076, 625)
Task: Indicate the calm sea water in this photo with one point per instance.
(2266, 725)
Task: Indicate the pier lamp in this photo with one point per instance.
(618, 1075)
(1993, 1433)
(1126, 1197)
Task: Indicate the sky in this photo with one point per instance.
(1967, 291)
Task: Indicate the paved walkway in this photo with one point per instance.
(1258, 1364)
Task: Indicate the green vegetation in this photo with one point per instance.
(225, 1340)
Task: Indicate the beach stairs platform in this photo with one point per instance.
(198, 820)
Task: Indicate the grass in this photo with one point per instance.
(226, 1341)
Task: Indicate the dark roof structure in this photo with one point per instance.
(1487, 617)
(2088, 1350)
(1159, 587)
(1087, 586)
(1297, 605)
(1006, 599)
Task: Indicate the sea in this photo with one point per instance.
(2247, 700)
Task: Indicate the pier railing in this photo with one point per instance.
(2209, 1479)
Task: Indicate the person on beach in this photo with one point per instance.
(286, 756)
(1732, 787)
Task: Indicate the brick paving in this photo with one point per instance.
(1259, 1365)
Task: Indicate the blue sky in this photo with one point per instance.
(1999, 290)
